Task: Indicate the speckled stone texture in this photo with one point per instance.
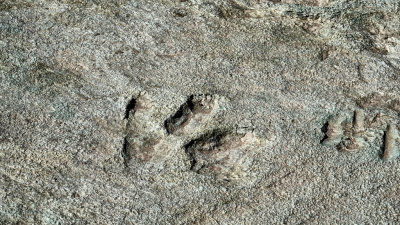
(199, 112)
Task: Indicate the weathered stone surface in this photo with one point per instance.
(199, 112)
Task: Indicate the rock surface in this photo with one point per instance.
(199, 112)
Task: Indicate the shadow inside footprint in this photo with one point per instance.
(197, 110)
(180, 117)
(222, 153)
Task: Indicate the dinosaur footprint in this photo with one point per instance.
(195, 112)
(144, 135)
(355, 133)
(222, 153)
(391, 140)
(210, 150)
(347, 133)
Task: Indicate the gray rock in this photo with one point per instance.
(198, 112)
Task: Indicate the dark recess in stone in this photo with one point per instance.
(125, 153)
(382, 146)
(324, 129)
(129, 107)
(180, 117)
(212, 140)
